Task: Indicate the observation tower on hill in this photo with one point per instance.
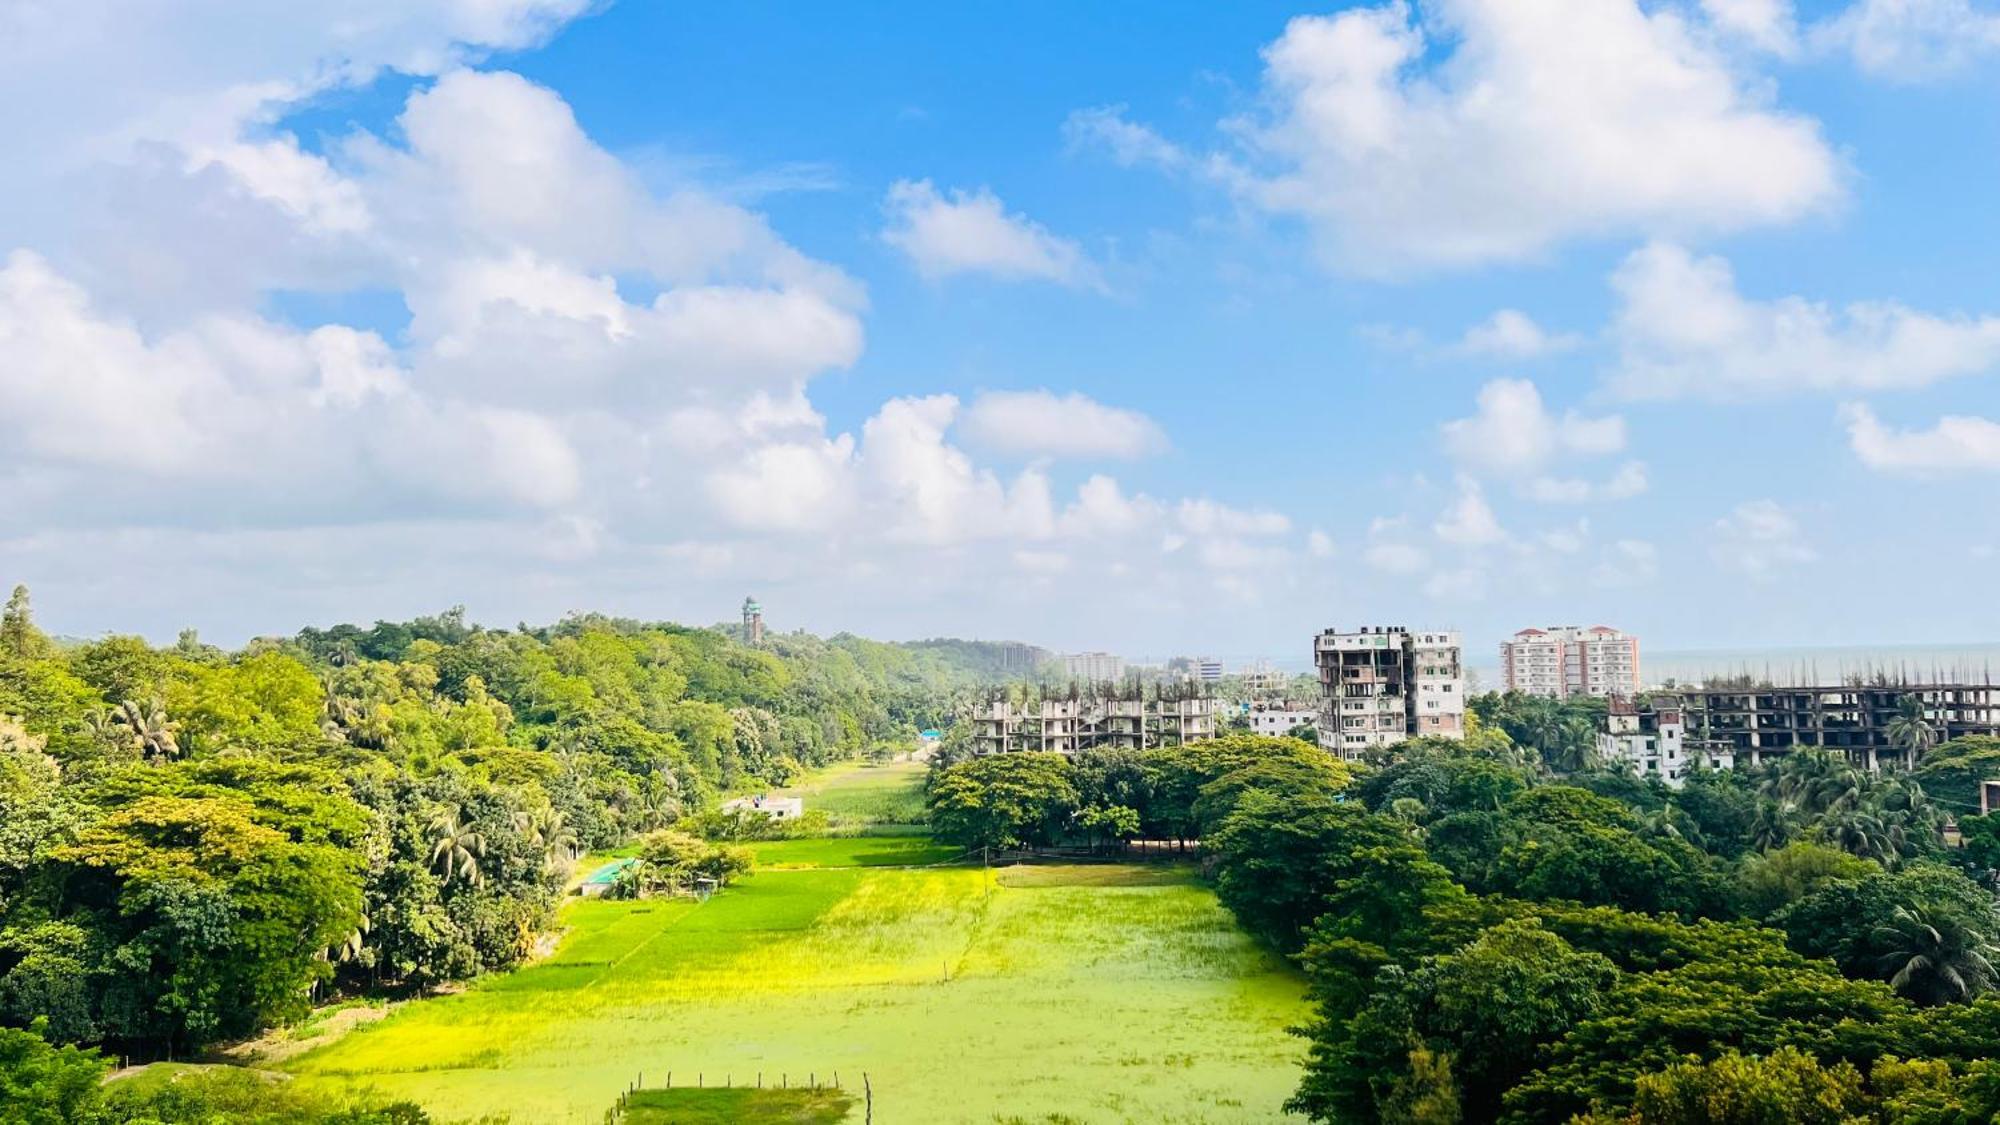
(753, 621)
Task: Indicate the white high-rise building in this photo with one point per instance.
(1564, 660)
(1382, 684)
(1094, 667)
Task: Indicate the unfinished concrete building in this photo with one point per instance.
(1755, 723)
(1105, 716)
(1382, 684)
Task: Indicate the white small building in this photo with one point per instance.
(1277, 718)
(777, 808)
(1652, 741)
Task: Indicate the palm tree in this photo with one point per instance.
(107, 732)
(1816, 782)
(1911, 730)
(456, 848)
(1775, 825)
(1935, 955)
(546, 829)
(351, 948)
(149, 725)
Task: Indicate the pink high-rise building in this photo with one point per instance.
(1564, 660)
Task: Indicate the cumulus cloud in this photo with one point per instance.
(1042, 423)
(1684, 330)
(1469, 520)
(1760, 539)
(1911, 40)
(1956, 444)
(963, 232)
(1512, 334)
(604, 376)
(1628, 481)
(1512, 432)
(1493, 130)
(1766, 25)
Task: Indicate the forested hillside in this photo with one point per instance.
(196, 843)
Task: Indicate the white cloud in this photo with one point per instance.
(1469, 520)
(1628, 481)
(1512, 334)
(1497, 129)
(1127, 142)
(1043, 423)
(972, 233)
(1760, 539)
(1957, 444)
(1767, 25)
(1206, 517)
(1513, 433)
(1319, 544)
(1911, 40)
(1683, 329)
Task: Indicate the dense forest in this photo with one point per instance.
(196, 844)
(1504, 929)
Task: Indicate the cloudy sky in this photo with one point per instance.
(1150, 327)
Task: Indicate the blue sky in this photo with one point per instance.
(1154, 328)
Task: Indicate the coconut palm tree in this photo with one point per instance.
(1935, 956)
(1816, 782)
(106, 732)
(546, 829)
(150, 727)
(1911, 730)
(455, 848)
(1775, 825)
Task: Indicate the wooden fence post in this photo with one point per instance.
(868, 1095)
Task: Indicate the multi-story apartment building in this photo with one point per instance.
(1653, 740)
(1065, 726)
(1276, 718)
(1094, 667)
(1262, 681)
(1207, 669)
(1755, 723)
(1381, 684)
(1564, 660)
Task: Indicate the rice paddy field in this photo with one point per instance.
(1086, 993)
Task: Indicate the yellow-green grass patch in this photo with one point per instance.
(1103, 993)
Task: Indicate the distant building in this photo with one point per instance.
(1753, 724)
(1207, 669)
(1262, 681)
(1276, 718)
(1653, 741)
(1564, 660)
(753, 622)
(1094, 667)
(1065, 726)
(1380, 685)
(777, 808)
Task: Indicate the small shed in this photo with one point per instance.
(602, 879)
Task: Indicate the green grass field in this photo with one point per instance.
(859, 795)
(1096, 993)
(739, 1106)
